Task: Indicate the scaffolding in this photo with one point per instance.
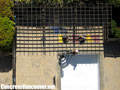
(41, 28)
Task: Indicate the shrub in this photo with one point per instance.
(116, 3)
(5, 8)
(40, 1)
(6, 32)
(114, 25)
(115, 30)
(118, 33)
(6, 24)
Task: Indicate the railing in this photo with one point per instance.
(14, 59)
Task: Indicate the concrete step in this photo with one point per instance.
(52, 38)
(57, 49)
(56, 35)
(63, 45)
(29, 39)
(80, 27)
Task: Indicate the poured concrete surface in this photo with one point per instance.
(110, 73)
(37, 69)
(6, 78)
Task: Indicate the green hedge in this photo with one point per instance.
(6, 32)
(6, 24)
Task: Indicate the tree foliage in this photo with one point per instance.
(5, 8)
(6, 24)
(39, 1)
(116, 3)
(115, 29)
(56, 1)
(6, 32)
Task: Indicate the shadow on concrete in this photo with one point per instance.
(81, 59)
(5, 62)
(112, 48)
